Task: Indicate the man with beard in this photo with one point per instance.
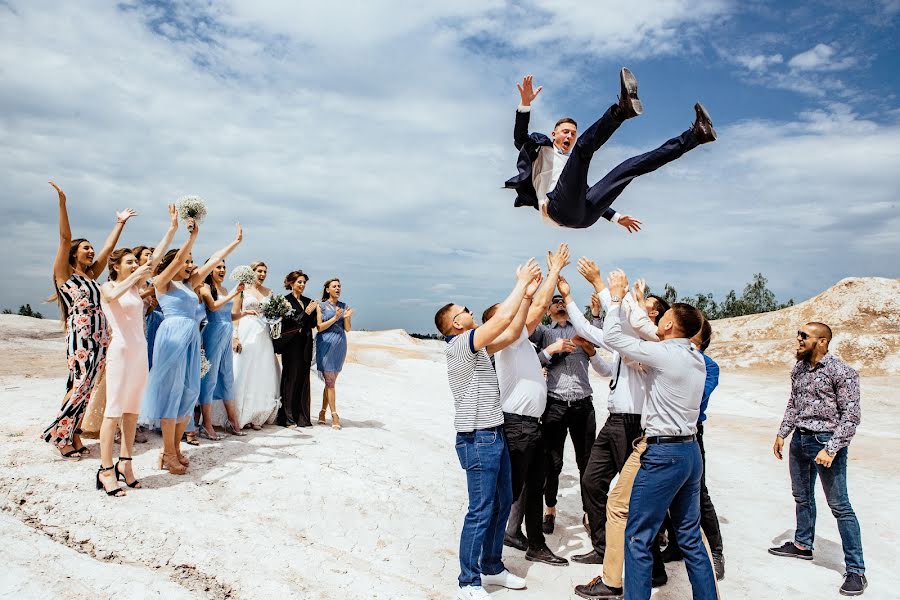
(822, 413)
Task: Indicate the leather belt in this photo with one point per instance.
(671, 439)
(570, 403)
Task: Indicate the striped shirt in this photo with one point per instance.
(473, 383)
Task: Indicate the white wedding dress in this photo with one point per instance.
(257, 375)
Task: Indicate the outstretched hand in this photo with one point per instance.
(618, 283)
(558, 260)
(59, 192)
(525, 273)
(122, 217)
(630, 223)
(173, 216)
(527, 91)
(240, 234)
(590, 271)
(564, 288)
(640, 287)
(533, 285)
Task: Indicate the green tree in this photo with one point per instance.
(26, 311)
(758, 297)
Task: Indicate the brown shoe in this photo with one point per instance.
(703, 127)
(321, 420)
(171, 464)
(140, 435)
(335, 421)
(629, 105)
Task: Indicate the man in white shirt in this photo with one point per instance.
(523, 393)
(553, 171)
(480, 441)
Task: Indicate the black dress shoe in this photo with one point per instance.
(703, 127)
(719, 565)
(854, 585)
(549, 523)
(517, 541)
(589, 558)
(546, 556)
(791, 551)
(629, 104)
(660, 577)
(597, 589)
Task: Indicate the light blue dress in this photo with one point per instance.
(218, 383)
(331, 344)
(174, 384)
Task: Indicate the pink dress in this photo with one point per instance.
(126, 357)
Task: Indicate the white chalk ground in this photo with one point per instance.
(375, 510)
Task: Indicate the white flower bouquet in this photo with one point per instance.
(274, 309)
(191, 207)
(244, 274)
(204, 364)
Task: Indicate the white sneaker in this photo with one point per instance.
(472, 592)
(504, 579)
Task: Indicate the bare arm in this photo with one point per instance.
(555, 264)
(514, 331)
(161, 281)
(113, 290)
(163, 246)
(200, 274)
(62, 270)
(110, 244)
(507, 310)
(323, 325)
(213, 304)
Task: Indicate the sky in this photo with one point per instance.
(370, 140)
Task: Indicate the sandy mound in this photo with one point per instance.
(32, 347)
(863, 312)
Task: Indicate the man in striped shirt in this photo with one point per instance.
(480, 441)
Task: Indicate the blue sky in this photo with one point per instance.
(370, 140)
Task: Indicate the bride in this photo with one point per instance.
(257, 375)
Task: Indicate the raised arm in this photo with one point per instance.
(113, 290)
(592, 334)
(649, 353)
(523, 113)
(110, 244)
(555, 264)
(163, 246)
(507, 310)
(514, 331)
(161, 281)
(213, 304)
(62, 270)
(200, 274)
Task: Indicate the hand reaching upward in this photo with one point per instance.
(590, 271)
(557, 261)
(630, 223)
(527, 91)
(126, 214)
(59, 192)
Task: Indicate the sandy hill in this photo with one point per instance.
(863, 312)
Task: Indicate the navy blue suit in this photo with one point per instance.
(572, 203)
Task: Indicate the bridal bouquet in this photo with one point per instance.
(244, 274)
(204, 364)
(273, 310)
(191, 207)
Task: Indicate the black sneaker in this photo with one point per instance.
(595, 588)
(546, 556)
(660, 577)
(517, 541)
(854, 584)
(589, 558)
(719, 565)
(790, 550)
(549, 523)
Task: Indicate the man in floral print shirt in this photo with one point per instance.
(822, 413)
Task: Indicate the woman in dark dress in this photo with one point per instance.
(295, 347)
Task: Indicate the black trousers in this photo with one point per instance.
(577, 419)
(609, 453)
(574, 204)
(527, 457)
(709, 520)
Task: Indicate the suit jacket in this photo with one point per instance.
(296, 329)
(529, 145)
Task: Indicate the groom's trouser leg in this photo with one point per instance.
(602, 194)
(567, 198)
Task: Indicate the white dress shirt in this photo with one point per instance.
(523, 390)
(675, 375)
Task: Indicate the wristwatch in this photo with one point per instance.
(616, 298)
(830, 453)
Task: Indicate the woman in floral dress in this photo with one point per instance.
(75, 271)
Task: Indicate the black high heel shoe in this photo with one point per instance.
(117, 492)
(134, 484)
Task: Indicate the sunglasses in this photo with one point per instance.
(464, 311)
(805, 336)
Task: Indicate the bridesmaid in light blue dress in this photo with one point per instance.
(174, 385)
(333, 319)
(218, 383)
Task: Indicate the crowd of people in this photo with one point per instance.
(165, 345)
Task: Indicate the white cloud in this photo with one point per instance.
(758, 62)
(821, 57)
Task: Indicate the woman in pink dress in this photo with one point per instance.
(126, 358)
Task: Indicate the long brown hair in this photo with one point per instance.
(293, 276)
(166, 261)
(73, 251)
(114, 259)
(325, 294)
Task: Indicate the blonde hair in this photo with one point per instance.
(258, 264)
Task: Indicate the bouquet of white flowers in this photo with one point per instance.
(244, 274)
(192, 207)
(273, 310)
(204, 364)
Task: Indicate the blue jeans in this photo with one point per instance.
(484, 456)
(669, 479)
(802, 461)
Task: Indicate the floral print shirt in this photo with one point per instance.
(824, 398)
